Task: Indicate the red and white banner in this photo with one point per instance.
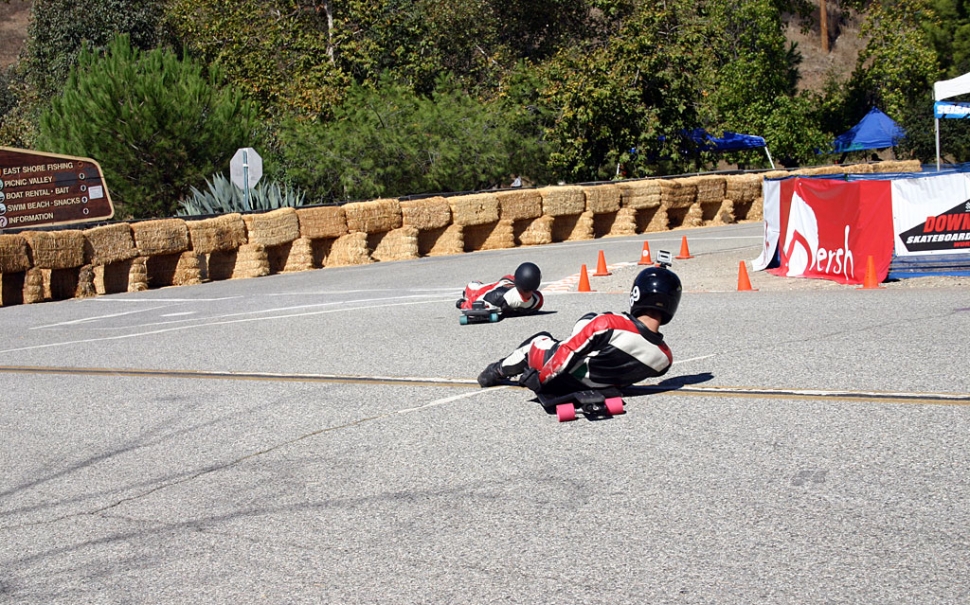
(827, 228)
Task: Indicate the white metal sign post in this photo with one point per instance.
(245, 169)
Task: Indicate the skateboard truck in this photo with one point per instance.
(594, 403)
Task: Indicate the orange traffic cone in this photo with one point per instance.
(684, 250)
(601, 270)
(744, 284)
(645, 255)
(583, 281)
(871, 282)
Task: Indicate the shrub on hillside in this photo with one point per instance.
(156, 123)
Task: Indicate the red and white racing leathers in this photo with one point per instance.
(501, 295)
(604, 349)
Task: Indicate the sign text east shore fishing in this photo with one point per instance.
(42, 189)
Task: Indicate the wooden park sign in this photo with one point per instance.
(41, 189)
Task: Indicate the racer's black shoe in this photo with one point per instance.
(459, 302)
(491, 375)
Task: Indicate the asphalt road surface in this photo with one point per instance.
(319, 438)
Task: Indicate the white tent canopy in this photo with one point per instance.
(946, 89)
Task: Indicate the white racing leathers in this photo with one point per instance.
(604, 350)
(502, 296)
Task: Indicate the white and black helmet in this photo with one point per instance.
(656, 289)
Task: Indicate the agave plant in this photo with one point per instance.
(223, 197)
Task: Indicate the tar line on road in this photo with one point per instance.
(670, 386)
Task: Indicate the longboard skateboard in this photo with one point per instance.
(593, 403)
(479, 313)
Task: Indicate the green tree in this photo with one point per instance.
(155, 123)
(748, 45)
(56, 32)
(389, 141)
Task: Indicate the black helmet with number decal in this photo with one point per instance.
(528, 277)
(656, 289)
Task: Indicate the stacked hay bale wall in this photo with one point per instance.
(14, 263)
(644, 198)
(58, 254)
(432, 218)
(375, 219)
(218, 234)
(162, 242)
(677, 196)
(567, 206)
(110, 250)
(477, 216)
(275, 232)
(603, 202)
(321, 226)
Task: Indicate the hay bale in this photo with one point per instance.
(350, 249)
(476, 209)
(725, 214)
(375, 216)
(161, 269)
(138, 274)
(625, 223)
(819, 170)
(251, 261)
(14, 254)
(399, 244)
(563, 201)
(164, 236)
(709, 189)
(495, 236)
(220, 265)
(322, 222)
(742, 188)
(112, 278)
(897, 166)
(273, 228)
(34, 286)
(85, 283)
(62, 284)
(188, 270)
(652, 220)
(572, 227)
(427, 214)
(677, 193)
(639, 195)
(602, 199)
(109, 244)
(535, 232)
(226, 232)
(519, 204)
(775, 174)
(442, 242)
(12, 288)
(299, 256)
(56, 249)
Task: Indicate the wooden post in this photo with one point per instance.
(824, 26)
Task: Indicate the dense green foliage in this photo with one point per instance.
(387, 140)
(367, 98)
(155, 123)
(55, 34)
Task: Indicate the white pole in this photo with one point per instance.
(937, 144)
(770, 161)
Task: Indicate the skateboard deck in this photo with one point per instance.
(594, 403)
(479, 313)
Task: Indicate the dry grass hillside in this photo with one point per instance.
(844, 42)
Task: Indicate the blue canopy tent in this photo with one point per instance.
(730, 141)
(875, 131)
